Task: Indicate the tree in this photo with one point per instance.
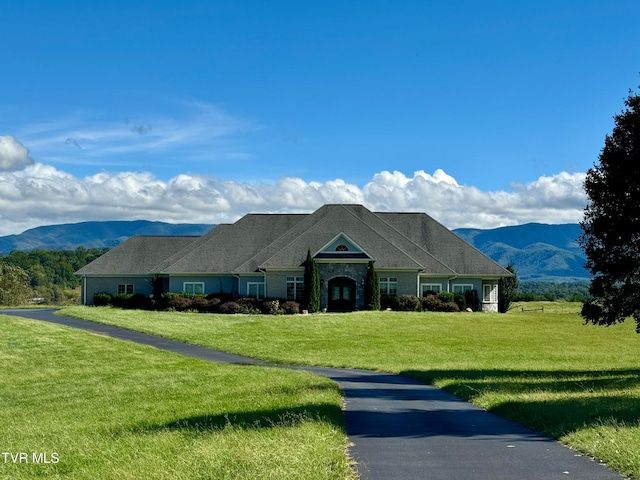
(611, 224)
(507, 287)
(311, 297)
(371, 289)
(14, 285)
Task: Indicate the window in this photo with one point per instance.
(255, 290)
(342, 248)
(490, 293)
(431, 287)
(295, 288)
(193, 287)
(389, 286)
(125, 288)
(462, 288)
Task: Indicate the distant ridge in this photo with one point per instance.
(538, 251)
(93, 234)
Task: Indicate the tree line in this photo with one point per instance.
(44, 275)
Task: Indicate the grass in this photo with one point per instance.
(545, 369)
(115, 410)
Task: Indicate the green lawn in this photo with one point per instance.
(100, 408)
(545, 369)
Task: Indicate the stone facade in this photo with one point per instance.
(355, 271)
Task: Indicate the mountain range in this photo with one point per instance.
(100, 235)
(538, 251)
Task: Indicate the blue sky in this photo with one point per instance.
(479, 113)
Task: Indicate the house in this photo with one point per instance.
(263, 255)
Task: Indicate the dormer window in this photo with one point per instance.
(342, 248)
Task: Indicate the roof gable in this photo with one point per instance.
(341, 248)
(388, 247)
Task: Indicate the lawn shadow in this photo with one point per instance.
(251, 420)
(553, 402)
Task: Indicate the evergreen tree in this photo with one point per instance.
(311, 297)
(611, 225)
(507, 287)
(371, 289)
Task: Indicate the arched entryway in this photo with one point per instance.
(342, 294)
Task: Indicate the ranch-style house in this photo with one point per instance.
(263, 256)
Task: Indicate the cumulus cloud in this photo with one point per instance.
(13, 155)
(41, 194)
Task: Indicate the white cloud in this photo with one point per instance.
(41, 194)
(13, 155)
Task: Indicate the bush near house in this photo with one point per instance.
(460, 300)
(472, 300)
(389, 302)
(193, 302)
(409, 303)
(225, 303)
(291, 307)
(440, 302)
(231, 308)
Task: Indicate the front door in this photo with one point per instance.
(342, 294)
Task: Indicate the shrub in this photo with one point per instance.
(201, 304)
(102, 299)
(178, 301)
(138, 301)
(460, 300)
(409, 303)
(121, 300)
(446, 297)
(471, 297)
(248, 304)
(291, 307)
(214, 304)
(231, 307)
(271, 306)
(439, 303)
(431, 303)
(389, 301)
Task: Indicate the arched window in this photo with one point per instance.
(342, 248)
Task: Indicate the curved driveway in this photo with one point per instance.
(403, 429)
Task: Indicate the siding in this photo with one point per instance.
(212, 283)
(93, 285)
(277, 282)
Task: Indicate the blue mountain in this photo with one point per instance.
(93, 234)
(537, 251)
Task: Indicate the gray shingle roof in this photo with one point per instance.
(393, 240)
(139, 255)
(223, 250)
(442, 243)
(385, 244)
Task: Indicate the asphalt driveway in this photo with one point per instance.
(403, 429)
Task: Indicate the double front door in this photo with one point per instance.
(342, 294)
